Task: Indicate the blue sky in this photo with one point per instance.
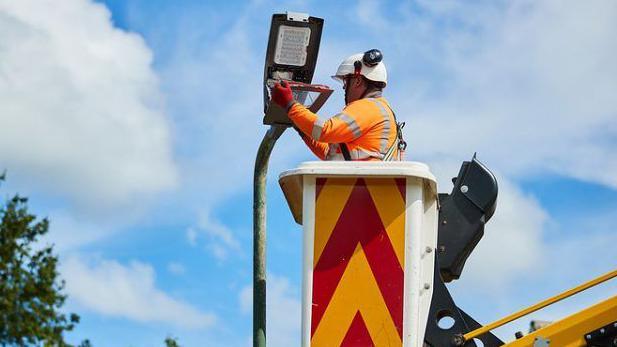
(133, 126)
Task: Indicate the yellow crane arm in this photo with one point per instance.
(570, 327)
(571, 331)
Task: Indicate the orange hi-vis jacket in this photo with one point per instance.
(367, 126)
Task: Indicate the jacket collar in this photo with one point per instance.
(373, 94)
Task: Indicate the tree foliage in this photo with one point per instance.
(31, 292)
(171, 342)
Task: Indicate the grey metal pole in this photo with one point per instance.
(259, 233)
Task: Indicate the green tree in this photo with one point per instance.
(171, 342)
(31, 292)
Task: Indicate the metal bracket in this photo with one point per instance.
(606, 336)
(298, 16)
(541, 342)
(442, 305)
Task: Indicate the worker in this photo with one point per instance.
(366, 129)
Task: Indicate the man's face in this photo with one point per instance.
(354, 87)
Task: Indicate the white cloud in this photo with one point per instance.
(129, 291)
(191, 236)
(566, 263)
(196, 73)
(246, 299)
(82, 116)
(283, 310)
(176, 268)
(586, 252)
(513, 238)
(220, 238)
(369, 13)
(512, 244)
(215, 97)
(68, 232)
(529, 85)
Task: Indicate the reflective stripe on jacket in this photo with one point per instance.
(366, 126)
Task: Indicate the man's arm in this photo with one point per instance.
(320, 149)
(316, 133)
(341, 128)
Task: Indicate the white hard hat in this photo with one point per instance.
(371, 66)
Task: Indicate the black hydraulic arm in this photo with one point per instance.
(462, 216)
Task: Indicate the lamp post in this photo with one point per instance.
(259, 233)
(291, 55)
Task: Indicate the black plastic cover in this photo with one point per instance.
(462, 216)
(481, 186)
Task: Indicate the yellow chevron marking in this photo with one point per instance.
(357, 291)
(391, 208)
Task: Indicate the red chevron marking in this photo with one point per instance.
(320, 182)
(357, 335)
(401, 184)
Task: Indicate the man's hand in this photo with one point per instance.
(282, 96)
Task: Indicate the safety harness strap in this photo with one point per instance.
(345, 151)
(399, 143)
